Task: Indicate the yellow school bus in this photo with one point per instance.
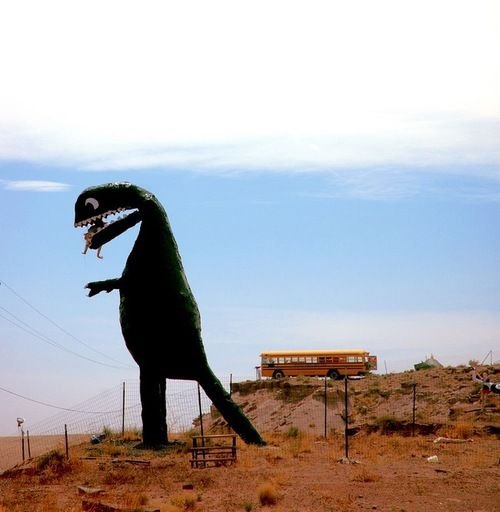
(316, 363)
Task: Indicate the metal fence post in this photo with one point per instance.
(66, 440)
(22, 443)
(346, 430)
(29, 445)
(123, 410)
(201, 417)
(414, 409)
(326, 398)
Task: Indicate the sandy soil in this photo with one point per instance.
(386, 473)
(303, 471)
(11, 447)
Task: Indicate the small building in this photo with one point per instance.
(430, 362)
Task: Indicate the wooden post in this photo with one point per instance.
(66, 440)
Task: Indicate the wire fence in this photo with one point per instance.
(314, 408)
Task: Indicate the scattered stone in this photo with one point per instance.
(188, 487)
(451, 440)
(347, 460)
(93, 491)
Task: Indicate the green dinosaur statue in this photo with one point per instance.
(159, 316)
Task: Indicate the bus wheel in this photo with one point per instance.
(278, 374)
(333, 374)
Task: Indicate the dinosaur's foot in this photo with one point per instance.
(158, 446)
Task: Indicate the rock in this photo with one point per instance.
(93, 491)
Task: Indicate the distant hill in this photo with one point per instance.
(444, 397)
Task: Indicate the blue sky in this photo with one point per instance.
(331, 173)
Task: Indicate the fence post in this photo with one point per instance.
(326, 397)
(414, 408)
(201, 417)
(66, 440)
(346, 408)
(123, 410)
(29, 445)
(230, 384)
(22, 443)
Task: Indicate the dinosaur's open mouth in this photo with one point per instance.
(99, 222)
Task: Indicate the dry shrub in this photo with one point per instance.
(364, 475)
(461, 430)
(53, 460)
(267, 493)
(131, 436)
(135, 501)
(184, 501)
(54, 464)
(122, 476)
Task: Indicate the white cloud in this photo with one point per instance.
(34, 185)
(287, 85)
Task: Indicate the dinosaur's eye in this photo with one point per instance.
(93, 202)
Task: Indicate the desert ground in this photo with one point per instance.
(292, 473)
(453, 464)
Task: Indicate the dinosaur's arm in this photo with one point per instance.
(115, 229)
(108, 285)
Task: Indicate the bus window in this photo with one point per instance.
(281, 360)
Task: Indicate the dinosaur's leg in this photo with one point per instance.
(230, 411)
(154, 421)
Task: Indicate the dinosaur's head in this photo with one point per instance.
(97, 207)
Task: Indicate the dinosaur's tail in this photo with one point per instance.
(230, 411)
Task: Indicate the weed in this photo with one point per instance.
(53, 461)
(185, 501)
(387, 424)
(267, 493)
(247, 506)
(364, 476)
(461, 430)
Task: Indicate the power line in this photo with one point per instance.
(57, 407)
(55, 344)
(2, 282)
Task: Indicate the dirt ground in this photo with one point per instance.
(298, 471)
(11, 447)
(297, 474)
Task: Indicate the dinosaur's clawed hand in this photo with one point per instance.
(96, 287)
